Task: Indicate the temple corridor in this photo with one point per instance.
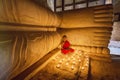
(59, 39)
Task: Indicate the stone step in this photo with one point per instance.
(103, 15)
(103, 20)
(103, 11)
(101, 57)
(104, 7)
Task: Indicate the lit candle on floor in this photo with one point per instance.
(72, 67)
(53, 59)
(87, 59)
(79, 51)
(66, 63)
(82, 67)
(68, 59)
(63, 59)
(73, 59)
(87, 62)
(74, 63)
(60, 61)
(56, 57)
(58, 66)
(79, 60)
(86, 65)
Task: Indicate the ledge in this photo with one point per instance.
(24, 27)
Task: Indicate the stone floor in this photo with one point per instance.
(62, 67)
(71, 66)
(104, 70)
(75, 66)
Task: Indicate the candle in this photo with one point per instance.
(79, 60)
(68, 59)
(74, 63)
(60, 61)
(58, 66)
(56, 57)
(63, 59)
(72, 67)
(53, 59)
(73, 59)
(66, 63)
(86, 65)
(79, 51)
(87, 59)
(82, 67)
(86, 62)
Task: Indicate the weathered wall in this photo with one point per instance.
(22, 49)
(87, 17)
(88, 36)
(116, 27)
(116, 6)
(116, 32)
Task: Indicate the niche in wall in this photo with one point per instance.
(116, 17)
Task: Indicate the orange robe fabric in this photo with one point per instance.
(66, 48)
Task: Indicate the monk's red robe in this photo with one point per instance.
(66, 48)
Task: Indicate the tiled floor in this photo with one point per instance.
(65, 67)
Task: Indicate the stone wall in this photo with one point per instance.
(98, 37)
(116, 27)
(87, 17)
(116, 32)
(20, 50)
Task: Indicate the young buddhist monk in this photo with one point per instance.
(65, 44)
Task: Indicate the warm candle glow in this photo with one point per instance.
(58, 66)
(66, 63)
(79, 60)
(73, 59)
(82, 67)
(63, 59)
(60, 61)
(57, 57)
(74, 63)
(86, 64)
(72, 67)
(53, 59)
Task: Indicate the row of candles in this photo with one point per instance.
(75, 58)
(72, 67)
